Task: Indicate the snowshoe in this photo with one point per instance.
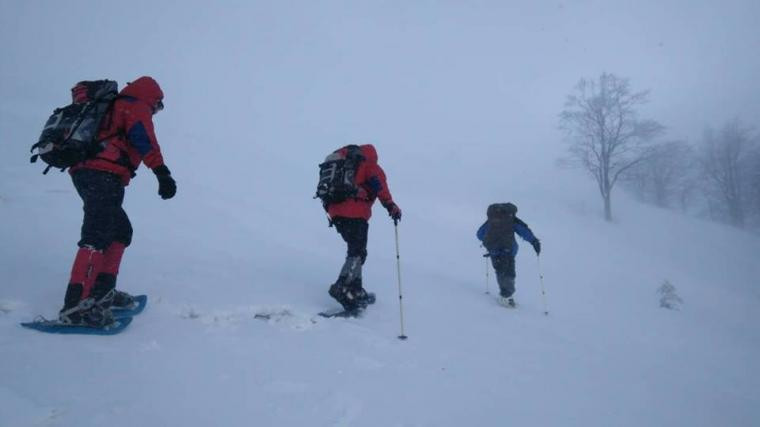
(354, 312)
(364, 298)
(135, 307)
(344, 295)
(87, 313)
(57, 327)
(508, 302)
(122, 300)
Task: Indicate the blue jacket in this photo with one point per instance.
(519, 227)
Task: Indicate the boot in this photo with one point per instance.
(344, 295)
(122, 299)
(83, 312)
(508, 302)
(87, 313)
(103, 291)
(359, 294)
(73, 296)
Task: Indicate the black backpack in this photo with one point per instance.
(337, 174)
(70, 134)
(501, 219)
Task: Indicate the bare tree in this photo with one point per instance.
(637, 182)
(755, 181)
(663, 175)
(607, 138)
(726, 167)
(688, 189)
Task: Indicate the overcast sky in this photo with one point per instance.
(247, 82)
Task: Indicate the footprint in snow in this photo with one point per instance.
(6, 307)
(279, 315)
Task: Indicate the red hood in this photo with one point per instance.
(369, 152)
(145, 89)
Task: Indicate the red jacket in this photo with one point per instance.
(127, 132)
(370, 178)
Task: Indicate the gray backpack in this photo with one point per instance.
(70, 133)
(337, 174)
(501, 219)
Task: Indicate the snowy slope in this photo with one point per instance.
(461, 100)
(606, 354)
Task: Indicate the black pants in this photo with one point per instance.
(504, 265)
(104, 219)
(354, 233)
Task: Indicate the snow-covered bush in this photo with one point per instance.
(668, 297)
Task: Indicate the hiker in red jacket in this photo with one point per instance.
(350, 217)
(127, 138)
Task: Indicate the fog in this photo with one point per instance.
(434, 84)
(462, 101)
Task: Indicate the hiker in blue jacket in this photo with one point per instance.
(498, 237)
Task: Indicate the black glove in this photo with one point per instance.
(537, 246)
(167, 188)
(394, 211)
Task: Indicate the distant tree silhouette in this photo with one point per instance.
(726, 159)
(606, 136)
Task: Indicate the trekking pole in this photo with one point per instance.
(541, 279)
(398, 270)
(485, 257)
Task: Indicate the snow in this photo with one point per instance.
(607, 354)
(461, 100)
